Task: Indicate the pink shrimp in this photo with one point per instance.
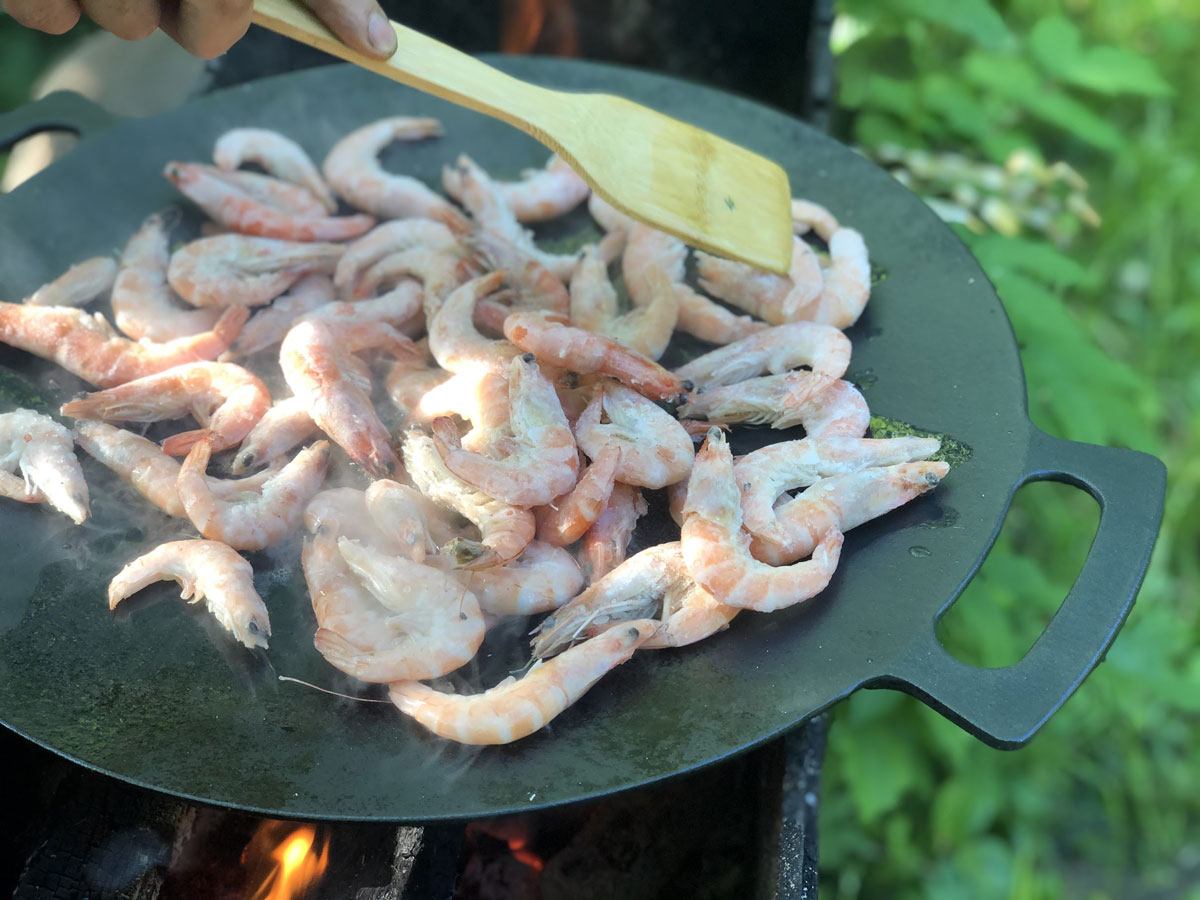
(261, 205)
(225, 398)
(825, 349)
(453, 340)
(827, 407)
(808, 216)
(646, 329)
(515, 708)
(353, 170)
(717, 550)
(268, 325)
(847, 284)
(539, 196)
(278, 155)
(774, 298)
(562, 346)
(87, 346)
(656, 451)
(542, 578)
(605, 543)
(78, 286)
(565, 519)
(240, 270)
(385, 240)
(45, 453)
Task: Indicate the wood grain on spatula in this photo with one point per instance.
(703, 189)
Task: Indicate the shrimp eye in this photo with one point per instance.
(689, 385)
(528, 357)
(254, 629)
(462, 616)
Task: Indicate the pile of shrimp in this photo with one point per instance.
(467, 427)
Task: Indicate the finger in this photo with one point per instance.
(130, 20)
(50, 16)
(361, 24)
(206, 28)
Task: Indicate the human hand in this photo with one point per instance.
(205, 28)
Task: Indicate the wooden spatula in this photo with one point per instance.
(708, 192)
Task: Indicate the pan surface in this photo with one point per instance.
(161, 698)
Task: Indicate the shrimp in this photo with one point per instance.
(605, 543)
(646, 329)
(655, 449)
(514, 708)
(541, 461)
(775, 298)
(556, 344)
(399, 511)
(847, 285)
(152, 473)
(240, 270)
(385, 240)
(505, 530)
(225, 398)
(827, 407)
(141, 299)
(407, 387)
(453, 339)
(481, 398)
(653, 584)
(44, 450)
(840, 503)
(262, 206)
(285, 425)
(316, 368)
(608, 216)
(208, 571)
(776, 350)
(279, 155)
(352, 169)
(541, 194)
(809, 216)
(564, 519)
(396, 309)
(78, 286)
(256, 522)
(87, 346)
(649, 251)
(764, 475)
(267, 326)
(538, 285)
(542, 578)
(439, 271)
(494, 217)
(717, 550)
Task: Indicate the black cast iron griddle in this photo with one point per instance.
(161, 698)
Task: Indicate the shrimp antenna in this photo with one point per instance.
(327, 691)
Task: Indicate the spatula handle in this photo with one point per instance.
(426, 64)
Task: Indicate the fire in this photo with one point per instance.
(539, 26)
(516, 846)
(287, 852)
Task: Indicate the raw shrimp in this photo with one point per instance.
(87, 346)
(44, 451)
(396, 309)
(494, 217)
(453, 339)
(774, 298)
(655, 449)
(317, 369)
(407, 386)
(78, 286)
(240, 270)
(279, 155)
(562, 346)
(827, 407)
(385, 240)
(538, 286)
(564, 520)
(515, 708)
(807, 216)
(542, 578)
(353, 170)
(285, 425)
(208, 571)
(256, 522)
(717, 550)
(541, 194)
(480, 397)
(260, 205)
(143, 465)
(505, 530)
(605, 543)
(646, 329)
(764, 475)
(776, 350)
(840, 503)
(225, 398)
(141, 298)
(541, 461)
(847, 285)
(653, 584)
(339, 512)
(268, 325)
(399, 511)
(439, 271)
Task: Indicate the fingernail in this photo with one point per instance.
(380, 33)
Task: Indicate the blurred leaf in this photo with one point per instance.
(880, 772)
(1056, 108)
(1009, 76)
(1114, 70)
(892, 95)
(1030, 257)
(957, 106)
(1055, 43)
(974, 19)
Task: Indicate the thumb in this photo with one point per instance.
(360, 24)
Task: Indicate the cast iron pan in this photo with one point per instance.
(161, 699)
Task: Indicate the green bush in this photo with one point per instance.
(970, 104)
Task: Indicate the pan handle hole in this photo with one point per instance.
(1040, 552)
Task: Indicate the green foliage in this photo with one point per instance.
(1105, 801)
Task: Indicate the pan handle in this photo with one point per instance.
(58, 111)
(1005, 706)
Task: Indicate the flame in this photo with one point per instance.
(296, 868)
(514, 831)
(516, 846)
(543, 26)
